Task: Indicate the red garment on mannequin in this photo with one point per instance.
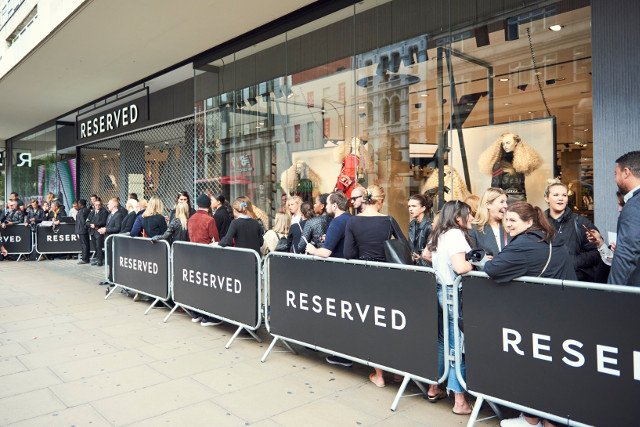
(347, 178)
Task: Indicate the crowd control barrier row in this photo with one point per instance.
(58, 239)
(139, 265)
(565, 351)
(377, 314)
(17, 239)
(219, 282)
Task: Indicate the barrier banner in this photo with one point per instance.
(17, 239)
(219, 281)
(60, 239)
(572, 352)
(141, 265)
(384, 315)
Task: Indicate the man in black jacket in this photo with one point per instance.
(625, 267)
(114, 222)
(98, 221)
(81, 230)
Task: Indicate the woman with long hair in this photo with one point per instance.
(222, 213)
(571, 230)
(448, 244)
(533, 251)
(244, 230)
(487, 231)
(255, 212)
(279, 230)
(177, 230)
(364, 239)
(315, 227)
(153, 222)
(419, 206)
(294, 238)
(182, 197)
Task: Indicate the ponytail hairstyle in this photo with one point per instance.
(248, 206)
(306, 210)
(448, 220)
(224, 204)
(373, 194)
(240, 205)
(527, 212)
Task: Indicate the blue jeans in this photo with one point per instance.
(452, 380)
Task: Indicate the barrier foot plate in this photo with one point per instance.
(403, 386)
(153, 304)
(475, 412)
(235, 335)
(175, 307)
(111, 291)
(19, 256)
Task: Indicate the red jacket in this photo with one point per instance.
(202, 228)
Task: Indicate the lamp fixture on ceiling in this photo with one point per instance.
(556, 27)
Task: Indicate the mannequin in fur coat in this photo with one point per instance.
(508, 161)
(459, 191)
(299, 179)
(356, 159)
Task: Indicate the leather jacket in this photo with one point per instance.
(419, 237)
(173, 233)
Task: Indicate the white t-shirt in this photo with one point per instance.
(450, 243)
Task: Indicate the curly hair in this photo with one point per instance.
(525, 158)
(459, 191)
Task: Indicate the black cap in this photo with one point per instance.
(203, 201)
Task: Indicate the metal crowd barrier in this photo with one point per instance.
(17, 239)
(231, 268)
(57, 239)
(342, 267)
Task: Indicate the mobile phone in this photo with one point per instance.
(586, 229)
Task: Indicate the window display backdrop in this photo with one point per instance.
(533, 157)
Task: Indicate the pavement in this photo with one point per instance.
(68, 357)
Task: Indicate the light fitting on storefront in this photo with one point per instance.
(556, 27)
(424, 95)
(504, 79)
(506, 104)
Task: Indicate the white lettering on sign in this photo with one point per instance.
(606, 357)
(10, 239)
(380, 316)
(139, 265)
(23, 159)
(211, 280)
(62, 238)
(121, 117)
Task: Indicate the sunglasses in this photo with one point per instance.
(353, 199)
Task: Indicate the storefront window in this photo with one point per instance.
(378, 94)
(33, 165)
(3, 160)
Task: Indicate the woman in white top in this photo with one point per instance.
(294, 204)
(448, 245)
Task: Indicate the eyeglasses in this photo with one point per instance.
(353, 199)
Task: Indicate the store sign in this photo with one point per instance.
(113, 120)
(23, 160)
(242, 163)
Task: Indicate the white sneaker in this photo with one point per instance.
(211, 322)
(196, 319)
(518, 422)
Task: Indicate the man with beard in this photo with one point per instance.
(625, 267)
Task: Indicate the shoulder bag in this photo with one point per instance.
(397, 251)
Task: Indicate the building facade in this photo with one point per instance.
(406, 94)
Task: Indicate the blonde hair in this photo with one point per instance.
(525, 158)
(553, 183)
(132, 205)
(473, 201)
(182, 213)
(155, 207)
(281, 223)
(373, 194)
(142, 204)
(242, 205)
(482, 214)
(296, 199)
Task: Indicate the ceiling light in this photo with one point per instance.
(424, 95)
(556, 27)
(530, 112)
(507, 104)
(585, 130)
(504, 79)
(361, 107)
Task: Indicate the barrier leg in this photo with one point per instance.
(111, 291)
(153, 304)
(235, 335)
(19, 256)
(266, 353)
(495, 409)
(475, 412)
(403, 386)
(175, 307)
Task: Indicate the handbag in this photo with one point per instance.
(397, 251)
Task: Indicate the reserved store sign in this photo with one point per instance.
(112, 121)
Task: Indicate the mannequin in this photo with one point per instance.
(508, 161)
(459, 191)
(356, 160)
(300, 180)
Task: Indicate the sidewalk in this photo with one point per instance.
(68, 357)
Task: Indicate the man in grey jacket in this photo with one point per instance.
(625, 267)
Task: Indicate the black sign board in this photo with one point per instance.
(16, 239)
(219, 281)
(383, 315)
(570, 352)
(59, 239)
(141, 265)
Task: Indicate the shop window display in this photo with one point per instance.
(421, 112)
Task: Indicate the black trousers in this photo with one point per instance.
(84, 245)
(99, 238)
